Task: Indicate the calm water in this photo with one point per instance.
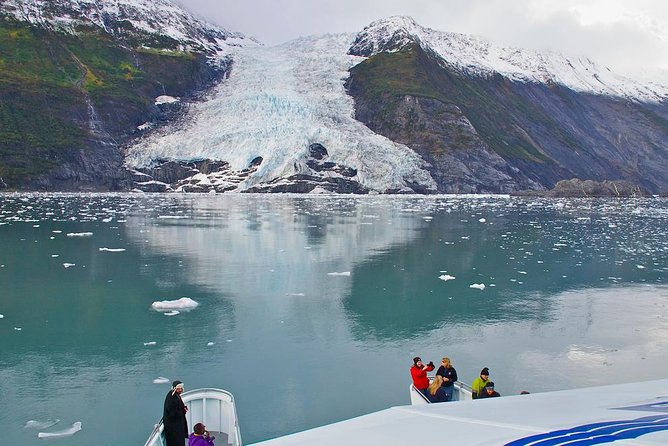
(311, 308)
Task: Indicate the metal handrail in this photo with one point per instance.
(234, 435)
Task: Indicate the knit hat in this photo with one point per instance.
(485, 371)
(489, 385)
(416, 360)
(176, 383)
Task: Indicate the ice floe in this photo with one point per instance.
(479, 286)
(69, 265)
(36, 424)
(112, 249)
(76, 427)
(172, 313)
(209, 344)
(150, 343)
(79, 234)
(446, 277)
(185, 303)
(2, 316)
(344, 273)
(160, 380)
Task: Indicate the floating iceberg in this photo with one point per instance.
(446, 277)
(79, 234)
(160, 380)
(344, 273)
(76, 427)
(480, 286)
(185, 303)
(112, 249)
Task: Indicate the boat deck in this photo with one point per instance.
(625, 414)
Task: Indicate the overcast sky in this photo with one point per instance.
(626, 35)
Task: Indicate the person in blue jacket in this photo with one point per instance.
(435, 392)
(449, 375)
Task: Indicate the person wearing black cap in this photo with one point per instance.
(479, 383)
(419, 374)
(489, 391)
(174, 416)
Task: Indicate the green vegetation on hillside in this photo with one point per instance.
(50, 84)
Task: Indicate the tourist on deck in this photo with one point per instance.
(200, 436)
(436, 392)
(174, 416)
(489, 391)
(479, 383)
(449, 374)
(419, 374)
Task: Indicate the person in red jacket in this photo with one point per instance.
(419, 374)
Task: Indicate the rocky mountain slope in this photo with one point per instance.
(80, 78)
(490, 119)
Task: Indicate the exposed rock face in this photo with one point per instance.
(214, 176)
(588, 189)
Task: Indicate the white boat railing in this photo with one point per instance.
(214, 408)
(460, 393)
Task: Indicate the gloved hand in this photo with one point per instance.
(431, 364)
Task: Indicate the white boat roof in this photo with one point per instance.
(622, 414)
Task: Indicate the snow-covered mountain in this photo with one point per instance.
(280, 102)
(123, 18)
(475, 56)
(395, 108)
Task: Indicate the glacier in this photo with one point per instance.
(276, 102)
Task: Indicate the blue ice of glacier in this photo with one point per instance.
(275, 103)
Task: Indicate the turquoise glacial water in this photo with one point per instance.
(311, 308)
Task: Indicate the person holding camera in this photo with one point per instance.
(200, 436)
(419, 374)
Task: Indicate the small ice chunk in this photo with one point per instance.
(172, 313)
(150, 343)
(57, 232)
(35, 424)
(344, 273)
(112, 249)
(2, 316)
(18, 328)
(640, 267)
(55, 255)
(160, 380)
(165, 99)
(209, 344)
(185, 303)
(79, 234)
(69, 265)
(482, 220)
(294, 294)
(446, 277)
(76, 427)
(479, 286)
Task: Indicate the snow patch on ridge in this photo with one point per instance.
(476, 56)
